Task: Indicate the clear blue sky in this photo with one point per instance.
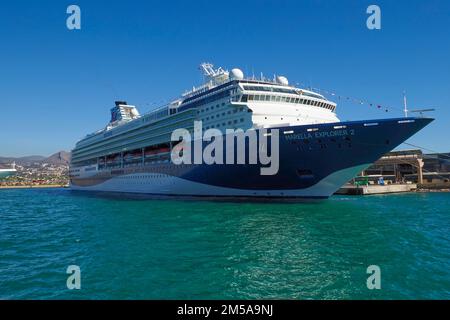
(57, 85)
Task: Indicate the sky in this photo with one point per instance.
(57, 84)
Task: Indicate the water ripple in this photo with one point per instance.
(140, 249)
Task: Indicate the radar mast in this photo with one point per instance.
(215, 76)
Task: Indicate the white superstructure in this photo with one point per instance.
(6, 172)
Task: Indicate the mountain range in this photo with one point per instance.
(59, 158)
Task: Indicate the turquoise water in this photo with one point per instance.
(161, 249)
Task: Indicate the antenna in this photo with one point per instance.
(405, 110)
(208, 69)
(217, 76)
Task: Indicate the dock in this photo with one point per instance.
(349, 189)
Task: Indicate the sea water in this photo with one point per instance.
(129, 248)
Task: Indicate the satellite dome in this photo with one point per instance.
(282, 80)
(237, 74)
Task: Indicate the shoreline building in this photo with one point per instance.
(410, 166)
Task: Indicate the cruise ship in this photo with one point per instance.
(317, 153)
(6, 172)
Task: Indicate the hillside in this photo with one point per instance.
(61, 157)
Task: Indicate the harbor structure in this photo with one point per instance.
(402, 171)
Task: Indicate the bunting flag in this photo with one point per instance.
(351, 99)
